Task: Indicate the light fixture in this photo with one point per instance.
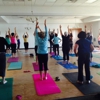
(90, 1)
(51, 1)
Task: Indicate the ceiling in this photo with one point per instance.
(67, 11)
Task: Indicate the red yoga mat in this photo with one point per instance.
(45, 87)
(13, 59)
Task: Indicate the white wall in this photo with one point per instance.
(21, 30)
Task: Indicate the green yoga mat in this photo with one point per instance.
(98, 73)
(6, 90)
(15, 66)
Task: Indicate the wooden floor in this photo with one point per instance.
(24, 85)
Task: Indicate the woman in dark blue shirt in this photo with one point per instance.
(84, 48)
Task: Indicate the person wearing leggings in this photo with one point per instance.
(56, 42)
(3, 43)
(8, 41)
(36, 46)
(18, 42)
(42, 38)
(51, 36)
(84, 47)
(26, 44)
(65, 45)
(13, 42)
(89, 37)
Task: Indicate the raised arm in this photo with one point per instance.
(57, 31)
(15, 32)
(46, 32)
(27, 34)
(85, 28)
(90, 29)
(68, 29)
(23, 35)
(60, 31)
(9, 32)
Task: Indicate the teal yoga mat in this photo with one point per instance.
(6, 90)
(15, 66)
(96, 55)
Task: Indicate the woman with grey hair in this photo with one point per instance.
(65, 45)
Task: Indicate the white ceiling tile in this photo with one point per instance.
(31, 2)
(8, 2)
(19, 3)
(60, 1)
(48, 4)
(40, 2)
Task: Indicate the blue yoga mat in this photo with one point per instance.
(57, 57)
(68, 66)
(15, 66)
(72, 55)
(93, 63)
(8, 55)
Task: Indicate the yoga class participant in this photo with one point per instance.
(51, 36)
(3, 43)
(84, 47)
(65, 45)
(56, 40)
(26, 44)
(42, 38)
(8, 41)
(89, 37)
(13, 42)
(36, 44)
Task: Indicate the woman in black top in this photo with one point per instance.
(3, 59)
(65, 45)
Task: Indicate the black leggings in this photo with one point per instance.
(26, 45)
(36, 47)
(83, 59)
(13, 48)
(18, 45)
(66, 54)
(51, 47)
(2, 64)
(43, 60)
(56, 48)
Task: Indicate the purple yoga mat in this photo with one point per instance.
(13, 59)
(52, 53)
(36, 67)
(45, 87)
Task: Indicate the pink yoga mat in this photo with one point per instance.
(45, 87)
(36, 66)
(13, 59)
(52, 53)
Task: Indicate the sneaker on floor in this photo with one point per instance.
(88, 82)
(5, 82)
(80, 82)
